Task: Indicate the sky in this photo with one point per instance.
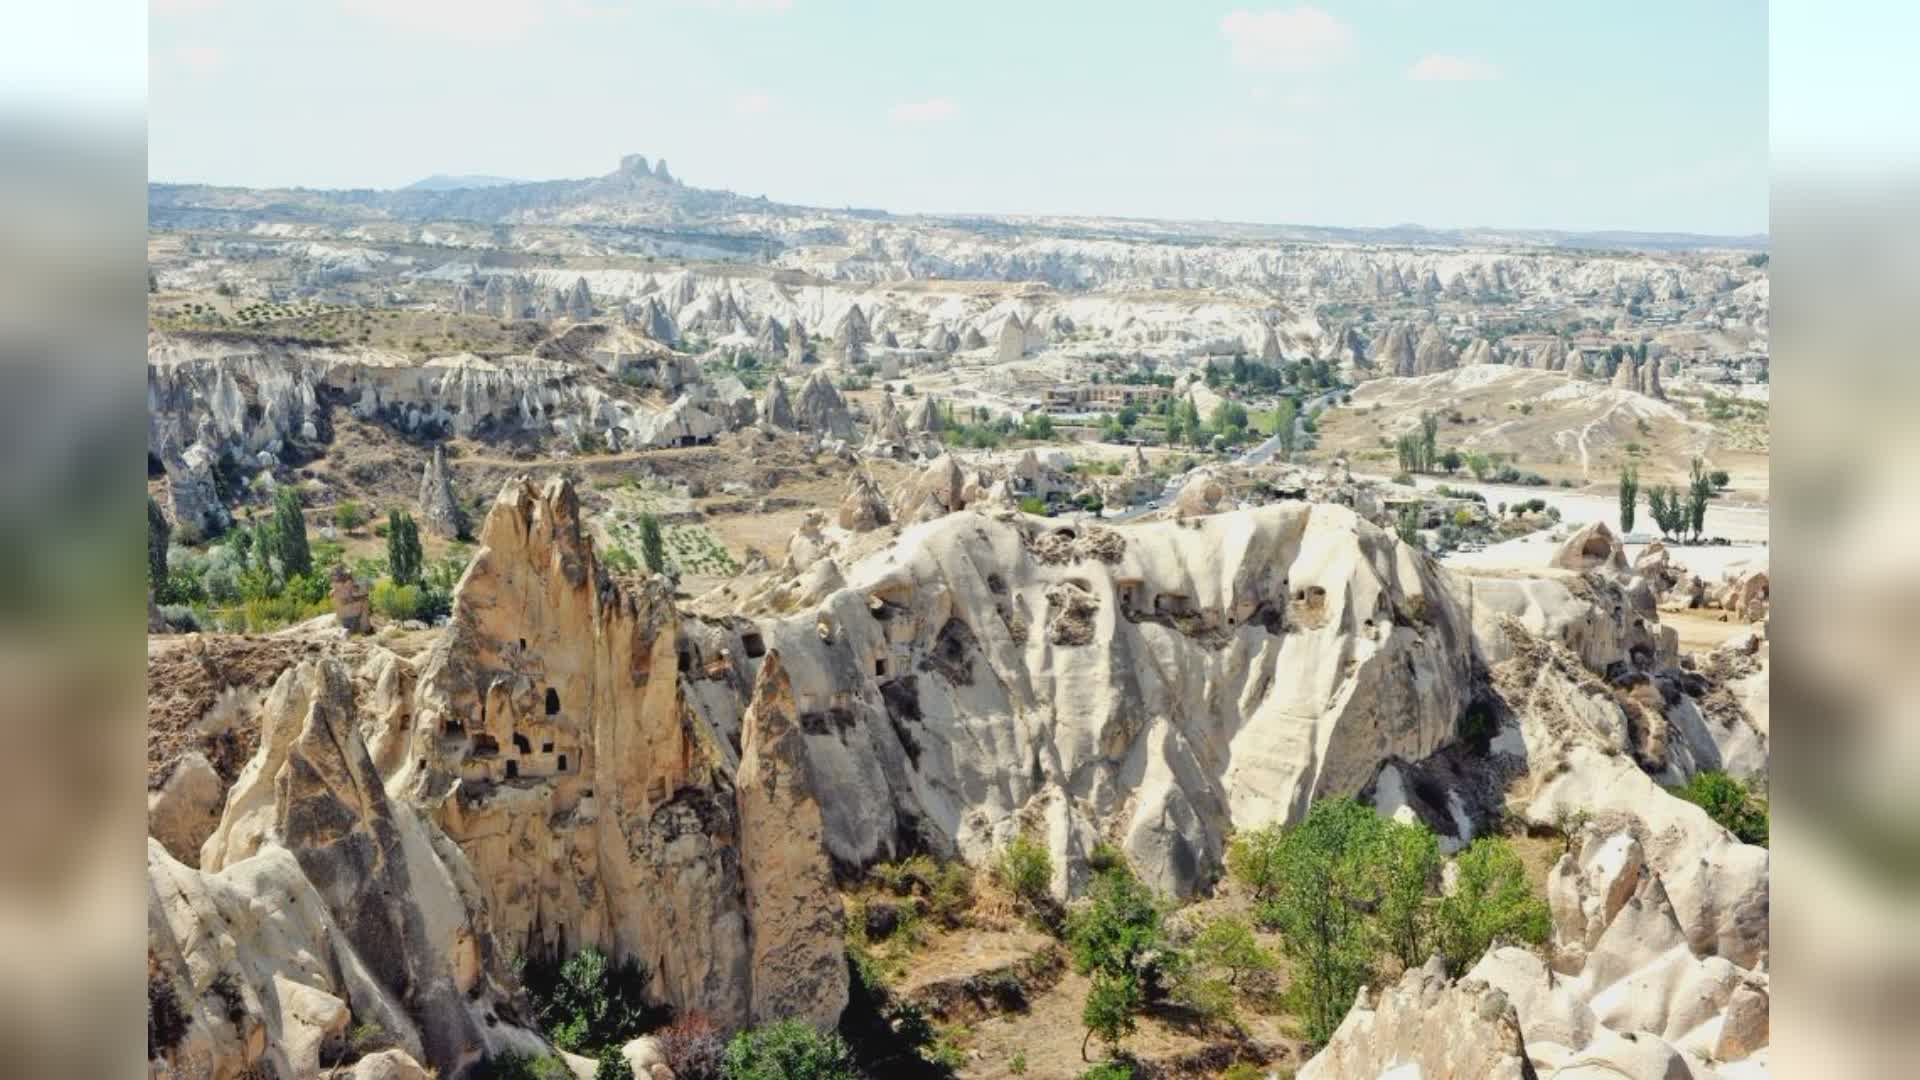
(1447, 113)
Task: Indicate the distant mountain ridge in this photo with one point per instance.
(638, 194)
(445, 182)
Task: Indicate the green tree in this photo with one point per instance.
(1284, 427)
(1429, 440)
(1491, 901)
(1327, 885)
(1629, 496)
(1408, 525)
(1254, 860)
(1407, 449)
(1190, 423)
(653, 546)
(1025, 869)
(1730, 803)
(589, 1003)
(1409, 866)
(1228, 943)
(789, 1050)
(612, 1065)
(1699, 492)
(1111, 1004)
(404, 556)
(1116, 928)
(1479, 464)
(159, 535)
(290, 535)
(1669, 512)
(1451, 461)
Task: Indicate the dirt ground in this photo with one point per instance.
(1582, 440)
(1702, 630)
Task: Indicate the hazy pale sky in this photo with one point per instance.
(1625, 115)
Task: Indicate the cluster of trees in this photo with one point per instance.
(590, 1006)
(1347, 889)
(1420, 452)
(1348, 892)
(1229, 423)
(1256, 376)
(979, 432)
(653, 551)
(269, 573)
(264, 573)
(1675, 512)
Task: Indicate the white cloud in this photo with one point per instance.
(1441, 67)
(748, 5)
(1300, 39)
(930, 111)
(752, 103)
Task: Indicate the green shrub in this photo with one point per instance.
(349, 514)
(1025, 869)
(612, 1065)
(1730, 803)
(789, 1050)
(262, 613)
(1110, 1070)
(589, 1003)
(1106, 857)
(1254, 860)
(515, 1066)
(1492, 901)
(1031, 504)
(1228, 943)
(396, 601)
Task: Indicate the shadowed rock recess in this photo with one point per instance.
(576, 761)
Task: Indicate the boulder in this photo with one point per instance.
(1427, 1027)
(938, 489)
(863, 509)
(183, 810)
(1591, 547)
(1202, 494)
